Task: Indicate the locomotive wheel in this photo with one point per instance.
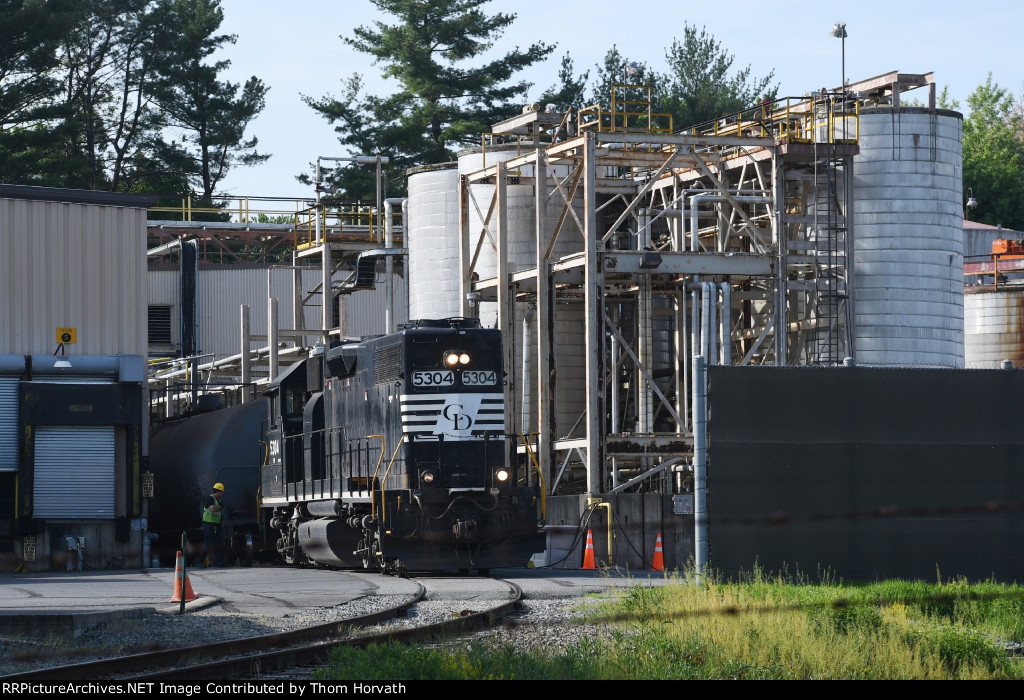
(370, 559)
(286, 554)
(286, 545)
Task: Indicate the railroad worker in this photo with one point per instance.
(213, 526)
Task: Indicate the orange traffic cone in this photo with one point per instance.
(181, 581)
(588, 554)
(659, 557)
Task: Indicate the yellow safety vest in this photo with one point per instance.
(209, 517)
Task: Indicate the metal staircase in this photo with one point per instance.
(829, 233)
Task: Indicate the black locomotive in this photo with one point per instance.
(392, 454)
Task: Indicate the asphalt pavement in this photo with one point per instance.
(68, 603)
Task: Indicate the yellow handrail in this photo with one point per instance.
(394, 456)
(540, 475)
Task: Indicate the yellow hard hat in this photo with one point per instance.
(218, 486)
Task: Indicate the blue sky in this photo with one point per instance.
(295, 49)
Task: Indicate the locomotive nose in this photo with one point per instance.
(465, 530)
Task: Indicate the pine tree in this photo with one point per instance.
(446, 96)
(209, 115)
(28, 85)
(90, 91)
(571, 89)
(698, 84)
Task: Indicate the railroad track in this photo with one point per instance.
(260, 656)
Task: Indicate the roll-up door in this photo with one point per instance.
(9, 424)
(74, 472)
(70, 379)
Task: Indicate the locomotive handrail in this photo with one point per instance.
(391, 463)
(373, 500)
(540, 475)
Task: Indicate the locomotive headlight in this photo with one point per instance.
(454, 358)
(501, 476)
(427, 477)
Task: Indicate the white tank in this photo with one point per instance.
(908, 238)
(520, 210)
(520, 218)
(432, 239)
(993, 326)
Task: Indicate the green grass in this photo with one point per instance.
(755, 628)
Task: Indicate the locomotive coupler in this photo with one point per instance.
(464, 530)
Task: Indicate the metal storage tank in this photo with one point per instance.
(520, 210)
(432, 239)
(569, 351)
(993, 326)
(908, 238)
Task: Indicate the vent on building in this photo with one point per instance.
(159, 325)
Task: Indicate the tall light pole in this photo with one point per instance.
(839, 32)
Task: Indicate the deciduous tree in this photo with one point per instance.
(993, 156)
(121, 95)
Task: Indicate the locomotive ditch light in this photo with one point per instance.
(427, 477)
(501, 475)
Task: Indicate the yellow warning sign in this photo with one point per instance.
(67, 336)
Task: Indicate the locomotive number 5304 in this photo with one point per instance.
(479, 378)
(434, 378)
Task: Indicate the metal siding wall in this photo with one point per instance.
(894, 473)
(9, 424)
(163, 287)
(163, 291)
(74, 472)
(366, 310)
(978, 241)
(223, 290)
(72, 265)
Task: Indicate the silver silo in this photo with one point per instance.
(908, 238)
(993, 326)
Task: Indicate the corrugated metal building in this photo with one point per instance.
(223, 290)
(73, 339)
(229, 311)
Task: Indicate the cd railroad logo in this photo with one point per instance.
(460, 421)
